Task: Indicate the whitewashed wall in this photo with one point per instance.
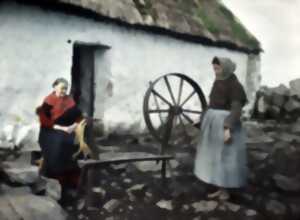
(34, 51)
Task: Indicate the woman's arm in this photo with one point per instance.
(68, 129)
(234, 117)
(44, 113)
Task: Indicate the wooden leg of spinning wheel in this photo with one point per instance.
(163, 170)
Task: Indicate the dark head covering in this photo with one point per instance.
(228, 67)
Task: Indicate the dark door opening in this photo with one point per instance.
(84, 68)
(83, 75)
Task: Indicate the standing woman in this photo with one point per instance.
(221, 153)
(59, 117)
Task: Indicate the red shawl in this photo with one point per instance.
(59, 105)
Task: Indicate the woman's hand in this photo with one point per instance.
(227, 135)
(67, 129)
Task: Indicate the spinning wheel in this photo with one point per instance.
(172, 102)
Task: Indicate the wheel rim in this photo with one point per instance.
(173, 103)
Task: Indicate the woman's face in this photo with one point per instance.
(61, 89)
(217, 69)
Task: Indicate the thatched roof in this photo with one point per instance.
(206, 20)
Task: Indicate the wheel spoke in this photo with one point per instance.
(188, 98)
(180, 91)
(157, 106)
(161, 97)
(170, 90)
(192, 111)
(158, 111)
(188, 118)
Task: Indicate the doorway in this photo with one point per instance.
(83, 75)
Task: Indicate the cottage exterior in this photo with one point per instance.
(121, 43)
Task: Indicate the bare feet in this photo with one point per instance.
(224, 195)
(214, 195)
(221, 194)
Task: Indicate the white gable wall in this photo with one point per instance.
(35, 51)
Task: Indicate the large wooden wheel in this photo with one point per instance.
(172, 101)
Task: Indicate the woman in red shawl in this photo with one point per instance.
(59, 117)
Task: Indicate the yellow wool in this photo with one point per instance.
(79, 138)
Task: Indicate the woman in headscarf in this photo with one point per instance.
(59, 117)
(221, 153)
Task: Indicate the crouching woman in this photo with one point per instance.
(59, 117)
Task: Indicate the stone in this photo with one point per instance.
(164, 204)
(185, 207)
(263, 138)
(5, 145)
(53, 189)
(278, 100)
(296, 127)
(136, 187)
(99, 190)
(281, 145)
(286, 183)
(250, 212)
(6, 211)
(222, 208)
(111, 205)
(205, 206)
(27, 136)
(81, 216)
(288, 137)
(21, 173)
(121, 166)
(114, 184)
(69, 208)
(259, 156)
(281, 90)
(136, 190)
(127, 180)
(255, 133)
(292, 105)
(80, 204)
(275, 207)
(148, 194)
(295, 87)
(24, 205)
(148, 166)
(262, 105)
(233, 207)
(274, 111)
(174, 164)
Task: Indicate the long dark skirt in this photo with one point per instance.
(57, 149)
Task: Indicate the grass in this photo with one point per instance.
(207, 21)
(237, 28)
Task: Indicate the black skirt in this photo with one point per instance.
(58, 146)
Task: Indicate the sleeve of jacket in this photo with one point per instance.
(238, 99)
(44, 114)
